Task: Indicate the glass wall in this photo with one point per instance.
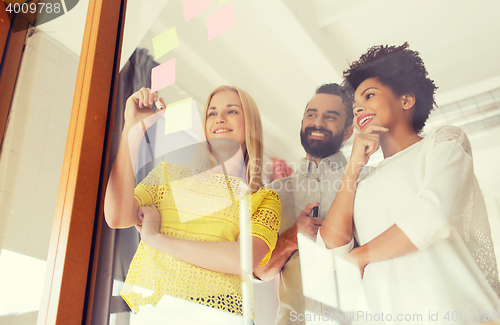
(280, 52)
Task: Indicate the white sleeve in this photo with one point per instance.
(337, 251)
(441, 199)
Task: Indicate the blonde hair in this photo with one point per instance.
(253, 134)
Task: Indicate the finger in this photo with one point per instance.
(141, 94)
(312, 205)
(146, 92)
(145, 211)
(372, 147)
(139, 98)
(163, 103)
(370, 142)
(370, 151)
(307, 210)
(374, 128)
(151, 208)
(313, 228)
(153, 97)
(318, 221)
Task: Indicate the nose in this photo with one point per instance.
(220, 119)
(358, 110)
(320, 122)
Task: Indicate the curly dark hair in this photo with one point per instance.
(399, 68)
(335, 89)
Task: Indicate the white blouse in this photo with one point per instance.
(430, 192)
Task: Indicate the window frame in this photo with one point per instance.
(74, 244)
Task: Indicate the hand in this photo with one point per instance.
(138, 107)
(358, 258)
(307, 225)
(149, 228)
(365, 144)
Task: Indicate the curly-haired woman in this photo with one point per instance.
(419, 217)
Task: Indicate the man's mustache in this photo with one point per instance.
(310, 129)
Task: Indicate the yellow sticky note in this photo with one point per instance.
(178, 116)
(165, 42)
(223, 1)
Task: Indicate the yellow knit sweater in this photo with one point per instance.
(196, 207)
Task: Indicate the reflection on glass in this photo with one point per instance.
(286, 47)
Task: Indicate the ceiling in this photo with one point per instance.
(280, 51)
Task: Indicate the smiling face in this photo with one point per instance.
(225, 118)
(376, 104)
(323, 125)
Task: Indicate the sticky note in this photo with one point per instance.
(220, 22)
(165, 42)
(178, 116)
(193, 8)
(163, 75)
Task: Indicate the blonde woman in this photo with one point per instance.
(196, 260)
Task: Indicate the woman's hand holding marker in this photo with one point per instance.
(139, 107)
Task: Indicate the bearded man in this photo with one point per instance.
(326, 124)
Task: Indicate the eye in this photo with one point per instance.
(332, 117)
(212, 113)
(310, 115)
(233, 111)
(369, 95)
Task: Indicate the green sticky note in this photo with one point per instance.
(178, 116)
(223, 1)
(165, 42)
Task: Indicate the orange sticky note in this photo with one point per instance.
(165, 42)
(163, 75)
(220, 22)
(193, 8)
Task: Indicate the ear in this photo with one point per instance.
(347, 133)
(408, 101)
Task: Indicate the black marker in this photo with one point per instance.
(315, 211)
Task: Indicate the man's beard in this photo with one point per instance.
(320, 148)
